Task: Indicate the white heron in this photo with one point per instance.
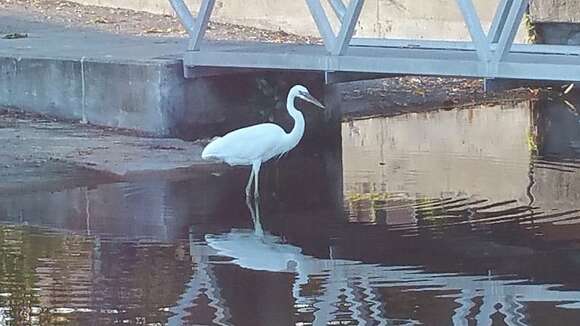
(256, 144)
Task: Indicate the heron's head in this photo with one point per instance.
(303, 93)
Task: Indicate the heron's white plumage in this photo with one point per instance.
(245, 146)
(259, 143)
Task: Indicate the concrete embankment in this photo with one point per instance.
(101, 78)
(120, 81)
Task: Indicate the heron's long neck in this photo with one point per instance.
(296, 134)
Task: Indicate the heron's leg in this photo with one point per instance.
(251, 208)
(256, 168)
(249, 185)
(258, 230)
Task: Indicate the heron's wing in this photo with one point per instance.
(244, 146)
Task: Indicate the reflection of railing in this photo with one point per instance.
(202, 281)
(492, 54)
(322, 285)
(329, 290)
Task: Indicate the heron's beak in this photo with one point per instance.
(311, 99)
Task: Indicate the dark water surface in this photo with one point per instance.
(466, 217)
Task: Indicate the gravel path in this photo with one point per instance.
(132, 22)
(37, 149)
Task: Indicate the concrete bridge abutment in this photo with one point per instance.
(139, 84)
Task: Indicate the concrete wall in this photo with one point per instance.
(558, 33)
(556, 21)
(135, 95)
(482, 151)
(149, 97)
(555, 11)
(558, 180)
(437, 19)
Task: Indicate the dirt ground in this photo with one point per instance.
(42, 151)
(124, 21)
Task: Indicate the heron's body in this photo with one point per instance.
(257, 144)
(263, 142)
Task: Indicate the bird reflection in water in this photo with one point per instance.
(260, 250)
(256, 249)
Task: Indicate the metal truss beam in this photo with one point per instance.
(184, 15)
(510, 28)
(475, 30)
(201, 23)
(391, 60)
(339, 8)
(322, 23)
(498, 22)
(347, 29)
(491, 55)
(463, 45)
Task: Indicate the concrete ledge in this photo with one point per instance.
(149, 97)
(103, 93)
(93, 77)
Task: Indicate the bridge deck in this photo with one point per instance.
(537, 62)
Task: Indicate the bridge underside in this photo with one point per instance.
(491, 54)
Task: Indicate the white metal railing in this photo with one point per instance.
(508, 17)
(343, 52)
